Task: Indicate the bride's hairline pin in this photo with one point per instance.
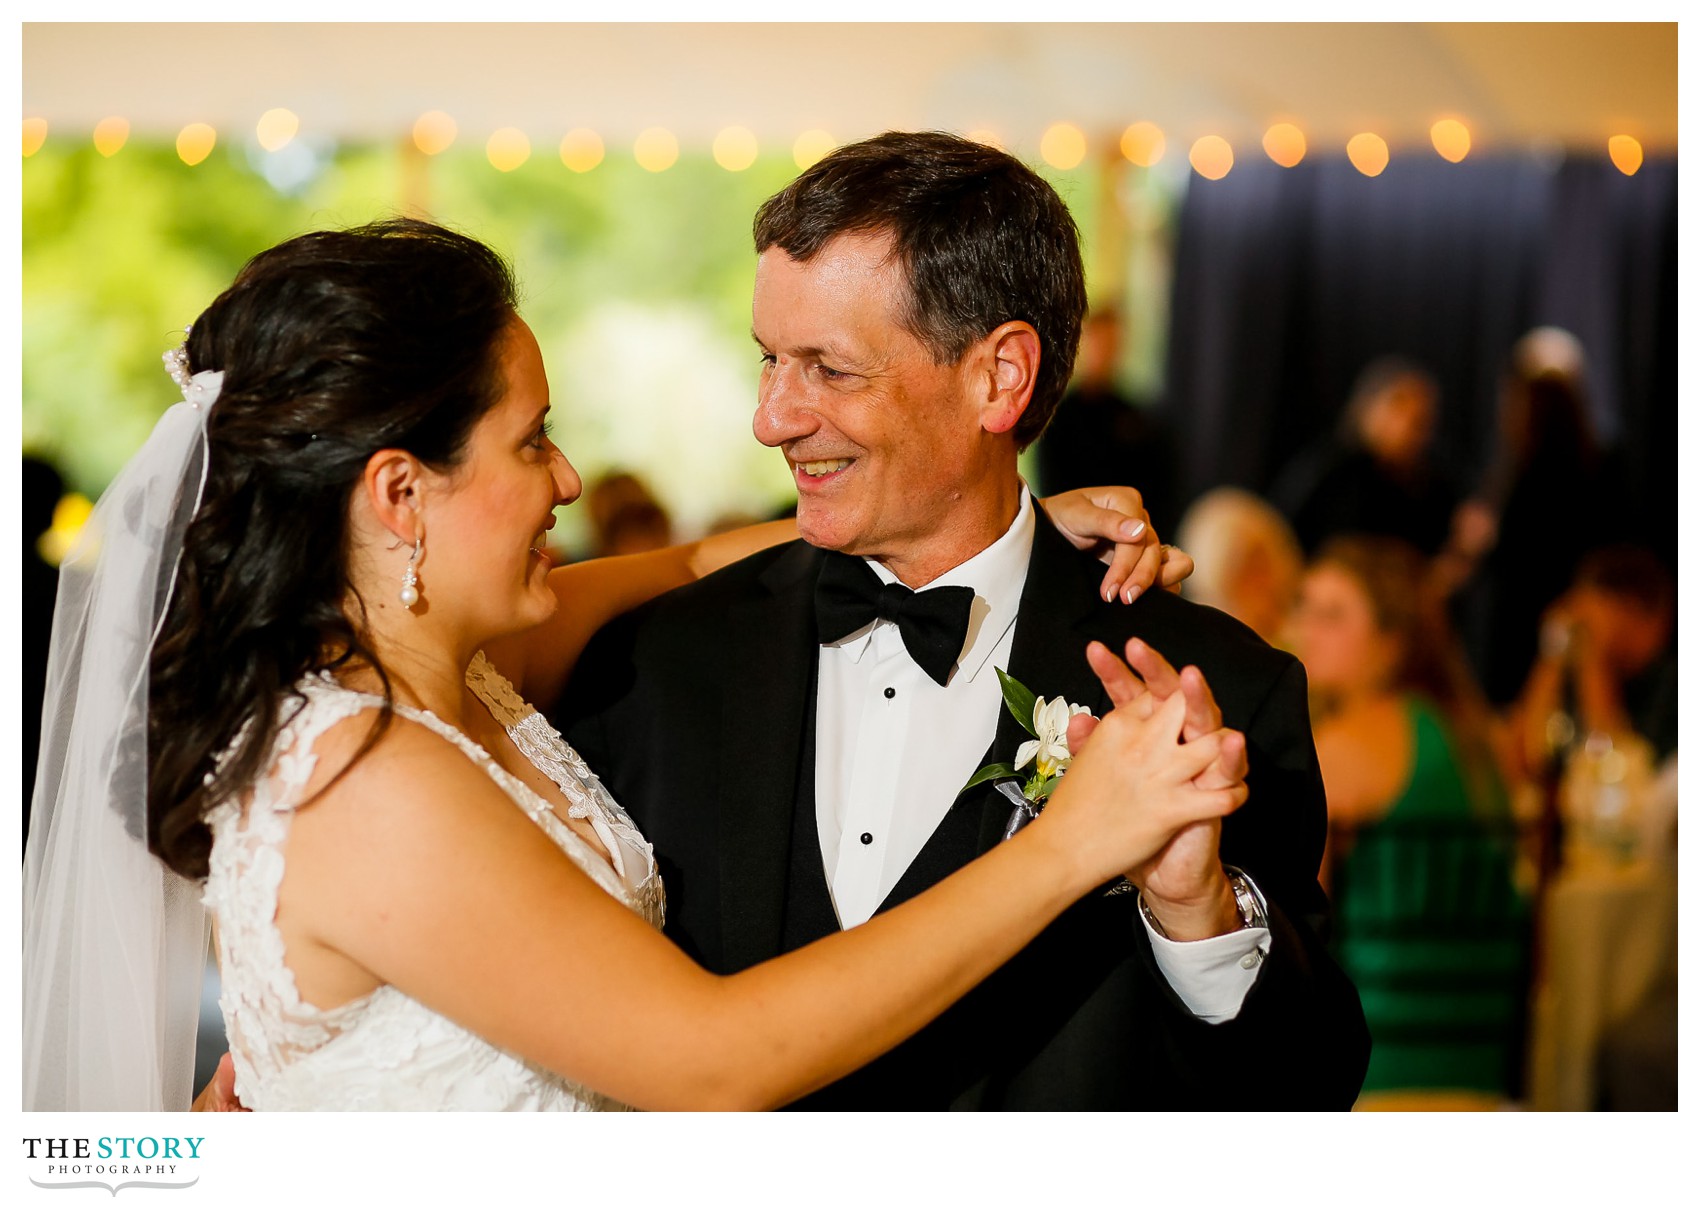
(177, 362)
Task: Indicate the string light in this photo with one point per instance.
(811, 145)
(1451, 138)
(507, 149)
(1368, 153)
(35, 134)
(735, 148)
(656, 149)
(581, 149)
(1143, 144)
(1063, 145)
(276, 128)
(1212, 157)
(434, 132)
(1285, 144)
(1625, 152)
(195, 143)
(70, 515)
(111, 134)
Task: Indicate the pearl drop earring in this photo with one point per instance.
(410, 578)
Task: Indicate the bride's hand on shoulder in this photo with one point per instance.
(1112, 522)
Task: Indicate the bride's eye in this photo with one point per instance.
(540, 439)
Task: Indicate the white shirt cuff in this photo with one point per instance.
(1212, 976)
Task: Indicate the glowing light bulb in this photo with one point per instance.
(581, 149)
(1212, 157)
(111, 134)
(1451, 138)
(735, 149)
(507, 149)
(1063, 145)
(811, 145)
(1625, 152)
(276, 128)
(1143, 144)
(656, 149)
(1368, 153)
(434, 132)
(35, 134)
(70, 515)
(195, 143)
(1285, 144)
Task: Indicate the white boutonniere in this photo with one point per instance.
(1047, 754)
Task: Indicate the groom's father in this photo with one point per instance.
(792, 733)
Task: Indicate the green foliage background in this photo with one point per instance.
(637, 284)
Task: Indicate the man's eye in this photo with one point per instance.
(827, 372)
(767, 361)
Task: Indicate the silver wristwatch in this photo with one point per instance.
(1246, 898)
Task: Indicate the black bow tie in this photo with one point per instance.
(933, 623)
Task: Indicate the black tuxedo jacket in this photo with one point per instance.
(697, 711)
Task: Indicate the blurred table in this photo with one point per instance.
(1608, 937)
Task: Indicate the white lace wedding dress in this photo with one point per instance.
(384, 1051)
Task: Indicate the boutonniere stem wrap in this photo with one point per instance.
(1044, 758)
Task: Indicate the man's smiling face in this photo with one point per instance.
(885, 445)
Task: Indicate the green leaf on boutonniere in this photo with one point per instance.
(1020, 701)
(992, 770)
(1046, 788)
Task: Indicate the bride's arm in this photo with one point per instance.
(417, 869)
(592, 592)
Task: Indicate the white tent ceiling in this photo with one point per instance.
(1516, 85)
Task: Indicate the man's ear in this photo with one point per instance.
(393, 484)
(1009, 368)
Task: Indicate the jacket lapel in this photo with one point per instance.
(1048, 653)
(771, 657)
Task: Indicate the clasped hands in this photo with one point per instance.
(1183, 883)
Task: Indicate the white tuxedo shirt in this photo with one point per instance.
(893, 749)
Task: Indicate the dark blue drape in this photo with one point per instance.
(1288, 281)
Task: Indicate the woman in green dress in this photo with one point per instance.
(1430, 926)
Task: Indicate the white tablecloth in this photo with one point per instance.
(1608, 935)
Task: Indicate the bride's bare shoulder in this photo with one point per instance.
(372, 774)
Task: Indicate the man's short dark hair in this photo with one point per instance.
(983, 240)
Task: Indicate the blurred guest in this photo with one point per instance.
(1246, 559)
(733, 520)
(625, 516)
(1551, 495)
(1430, 926)
(1606, 658)
(42, 489)
(1374, 476)
(1598, 712)
(1399, 724)
(1102, 436)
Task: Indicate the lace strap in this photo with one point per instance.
(538, 740)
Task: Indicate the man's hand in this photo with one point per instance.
(220, 1093)
(1184, 884)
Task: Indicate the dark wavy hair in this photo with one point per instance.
(1407, 602)
(982, 238)
(333, 345)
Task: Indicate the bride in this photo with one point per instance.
(293, 661)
